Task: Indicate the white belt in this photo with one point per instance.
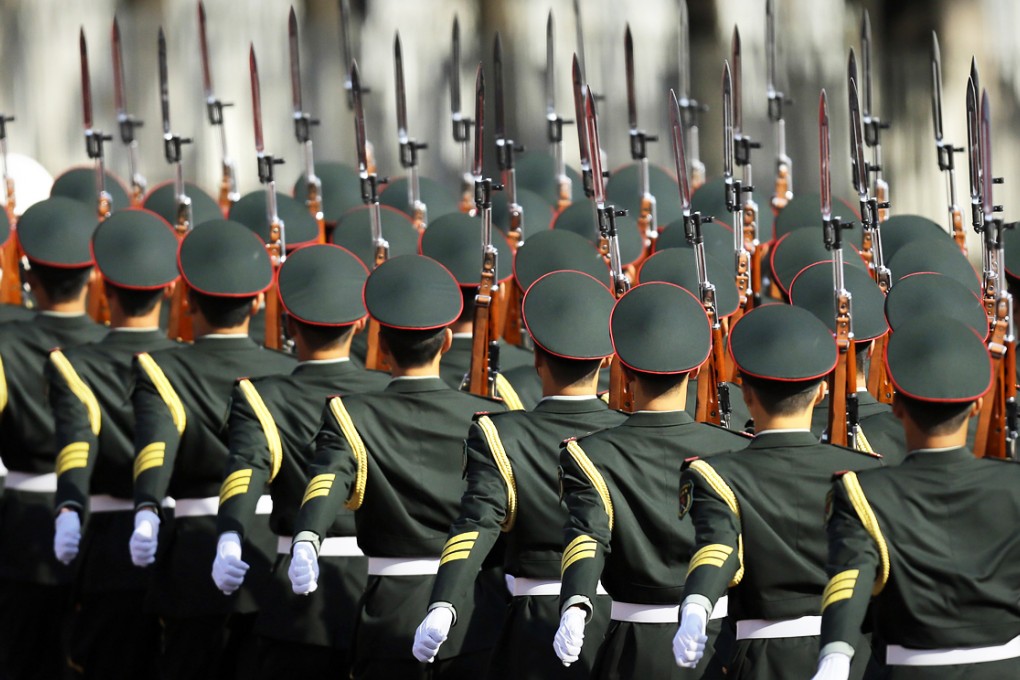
(901, 656)
(24, 481)
(658, 613)
(402, 566)
(762, 629)
(334, 546)
(202, 507)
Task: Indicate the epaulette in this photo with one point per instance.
(836, 476)
(480, 414)
(688, 461)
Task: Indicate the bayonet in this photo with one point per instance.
(555, 122)
(733, 190)
(945, 150)
(94, 139)
(214, 111)
(783, 193)
(461, 123)
(579, 28)
(8, 181)
(974, 151)
(409, 148)
(582, 139)
(647, 218)
(872, 125)
(303, 124)
(689, 107)
(505, 150)
(172, 144)
(742, 147)
(125, 121)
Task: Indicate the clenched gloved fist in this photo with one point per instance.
(432, 633)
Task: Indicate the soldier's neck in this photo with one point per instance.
(674, 399)
(203, 327)
(583, 388)
(763, 421)
(118, 319)
(45, 304)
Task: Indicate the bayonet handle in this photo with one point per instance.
(265, 165)
(94, 143)
(214, 109)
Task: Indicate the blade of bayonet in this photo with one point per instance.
(936, 86)
(974, 74)
(497, 58)
(86, 81)
(295, 63)
(579, 25)
(204, 47)
(476, 166)
(398, 60)
(859, 167)
(825, 156)
(256, 100)
(987, 203)
(628, 54)
(738, 117)
(684, 76)
(866, 63)
(770, 47)
(679, 153)
(361, 141)
(346, 48)
(164, 85)
(119, 100)
(455, 69)
(591, 122)
(727, 94)
(550, 67)
(973, 140)
(582, 137)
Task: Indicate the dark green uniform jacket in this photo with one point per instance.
(759, 531)
(882, 430)
(90, 395)
(28, 443)
(273, 421)
(933, 546)
(396, 458)
(455, 364)
(513, 487)
(181, 408)
(14, 313)
(620, 486)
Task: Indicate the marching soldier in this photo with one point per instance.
(757, 512)
(273, 421)
(931, 545)
(180, 406)
(396, 458)
(512, 484)
(620, 488)
(112, 634)
(54, 235)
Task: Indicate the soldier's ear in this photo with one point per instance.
(975, 408)
(820, 392)
(447, 341)
(257, 303)
(606, 362)
(168, 290)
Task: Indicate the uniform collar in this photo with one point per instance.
(571, 404)
(410, 384)
(658, 418)
(946, 456)
(133, 336)
(784, 438)
(225, 342)
(59, 320)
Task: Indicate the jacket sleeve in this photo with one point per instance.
(159, 423)
(77, 419)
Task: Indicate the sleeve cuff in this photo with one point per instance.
(837, 647)
(438, 604)
(578, 601)
(70, 505)
(310, 537)
(699, 600)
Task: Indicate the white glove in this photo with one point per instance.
(833, 666)
(689, 641)
(304, 568)
(227, 568)
(67, 536)
(145, 538)
(431, 633)
(570, 635)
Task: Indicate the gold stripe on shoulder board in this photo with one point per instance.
(79, 388)
(593, 475)
(268, 425)
(506, 470)
(165, 389)
(358, 450)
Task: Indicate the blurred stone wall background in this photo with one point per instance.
(39, 79)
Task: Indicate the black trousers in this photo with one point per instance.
(219, 647)
(33, 630)
(113, 637)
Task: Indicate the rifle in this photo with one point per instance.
(461, 125)
(347, 51)
(94, 140)
(484, 340)
(784, 166)
(277, 242)
(842, 421)
(713, 393)
(872, 124)
(734, 188)
(125, 121)
(945, 150)
(871, 239)
(505, 150)
(179, 327)
(303, 124)
(10, 282)
(620, 396)
(742, 146)
(997, 423)
(409, 148)
(587, 179)
(370, 196)
(689, 107)
(647, 218)
(581, 75)
(555, 122)
(214, 110)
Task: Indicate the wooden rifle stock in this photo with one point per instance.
(882, 194)
(708, 409)
(179, 327)
(878, 380)
(10, 281)
(959, 235)
(314, 203)
(274, 329)
(98, 307)
(646, 223)
(779, 200)
(373, 360)
(990, 439)
(749, 211)
(514, 297)
(480, 375)
(843, 379)
(226, 189)
(565, 196)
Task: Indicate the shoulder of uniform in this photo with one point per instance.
(839, 474)
(689, 461)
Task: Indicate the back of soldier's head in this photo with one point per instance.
(54, 235)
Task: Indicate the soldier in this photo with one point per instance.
(54, 235)
(112, 636)
(180, 406)
(273, 421)
(757, 512)
(812, 289)
(931, 545)
(512, 483)
(396, 458)
(620, 488)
